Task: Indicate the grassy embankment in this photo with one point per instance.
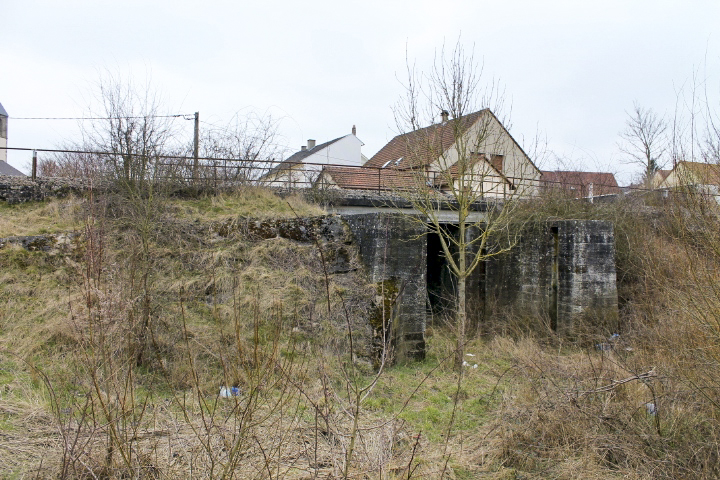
(113, 354)
(112, 357)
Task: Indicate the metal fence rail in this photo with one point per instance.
(218, 172)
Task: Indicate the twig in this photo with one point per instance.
(617, 383)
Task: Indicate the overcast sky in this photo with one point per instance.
(571, 69)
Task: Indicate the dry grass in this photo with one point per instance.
(565, 407)
(79, 322)
(288, 445)
(251, 202)
(35, 218)
(534, 407)
(67, 214)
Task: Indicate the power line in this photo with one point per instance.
(97, 152)
(183, 115)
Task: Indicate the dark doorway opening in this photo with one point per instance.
(440, 281)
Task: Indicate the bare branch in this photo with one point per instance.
(644, 140)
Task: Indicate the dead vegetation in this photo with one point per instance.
(112, 359)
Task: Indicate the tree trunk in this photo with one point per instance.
(461, 303)
(460, 329)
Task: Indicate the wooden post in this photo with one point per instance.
(34, 165)
(196, 146)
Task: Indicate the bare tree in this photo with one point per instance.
(462, 164)
(71, 163)
(242, 150)
(644, 140)
(130, 130)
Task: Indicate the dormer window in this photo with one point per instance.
(395, 164)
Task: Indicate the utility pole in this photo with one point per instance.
(196, 146)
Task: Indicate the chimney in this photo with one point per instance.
(303, 148)
(354, 130)
(311, 144)
(444, 115)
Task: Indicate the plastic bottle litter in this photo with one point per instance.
(227, 392)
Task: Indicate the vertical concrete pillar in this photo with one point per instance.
(394, 250)
(587, 285)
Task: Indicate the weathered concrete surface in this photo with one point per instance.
(329, 232)
(586, 273)
(394, 250)
(562, 271)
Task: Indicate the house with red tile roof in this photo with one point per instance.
(577, 184)
(473, 151)
(365, 178)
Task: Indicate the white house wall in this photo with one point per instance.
(484, 180)
(3, 137)
(345, 152)
(488, 136)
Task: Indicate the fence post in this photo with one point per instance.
(34, 165)
(196, 146)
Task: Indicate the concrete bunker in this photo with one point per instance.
(559, 271)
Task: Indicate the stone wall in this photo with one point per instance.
(24, 189)
(51, 243)
(392, 249)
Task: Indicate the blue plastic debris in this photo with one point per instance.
(227, 392)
